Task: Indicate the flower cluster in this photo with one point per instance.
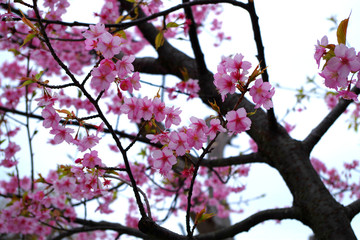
(341, 64)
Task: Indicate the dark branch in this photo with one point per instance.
(238, 160)
(102, 225)
(353, 209)
(261, 57)
(316, 134)
(245, 225)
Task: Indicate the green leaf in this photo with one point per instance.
(171, 25)
(341, 31)
(28, 38)
(27, 82)
(159, 40)
(15, 51)
(38, 76)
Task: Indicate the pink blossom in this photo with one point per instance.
(345, 61)
(51, 117)
(91, 159)
(195, 139)
(178, 142)
(333, 79)
(237, 121)
(159, 109)
(146, 108)
(11, 149)
(109, 45)
(215, 127)
(103, 75)
(131, 108)
(87, 142)
(320, 49)
(331, 100)
(163, 160)
(261, 94)
(237, 63)
(62, 134)
(124, 66)
(198, 124)
(224, 84)
(172, 116)
(348, 95)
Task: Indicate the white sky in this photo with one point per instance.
(289, 31)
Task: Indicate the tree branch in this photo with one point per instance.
(353, 209)
(316, 134)
(102, 225)
(237, 160)
(261, 57)
(253, 220)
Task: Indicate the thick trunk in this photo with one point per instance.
(319, 210)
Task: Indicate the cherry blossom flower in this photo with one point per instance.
(236, 63)
(91, 159)
(225, 84)
(103, 75)
(159, 109)
(215, 127)
(261, 94)
(87, 142)
(163, 160)
(195, 139)
(109, 45)
(348, 95)
(237, 121)
(62, 134)
(146, 108)
(51, 117)
(124, 66)
(172, 116)
(333, 79)
(345, 61)
(11, 149)
(320, 49)
(178, 142)
(131, 108)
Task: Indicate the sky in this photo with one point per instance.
(289, 30)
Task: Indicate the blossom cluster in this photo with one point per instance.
(342, 63)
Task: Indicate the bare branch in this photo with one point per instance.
(353, 209)
(253, 220)
(316, 134)
(237, 160)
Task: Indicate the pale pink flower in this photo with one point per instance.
(11, 149)
(345, 61)
(95, 31)
(237, 121)
(159, 109)
(215, 127)
(333, 79)
(178, 142)
(62, 134)
(320, 49)
(87, 142)
(224, 84)
(146, 108)
(124, 66)
(198, 124)
(262, 93)
(103, 75)
(237, 63)
(51, 117)
(331, 100)
(348, 95)
(91, 159)
(195, 139)
(172, 116)
(131, 108)
(109, 45)
(163, 160)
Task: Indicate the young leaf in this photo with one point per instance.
(172, 24)
(28, 38)
(159, 40)
(341, 31)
